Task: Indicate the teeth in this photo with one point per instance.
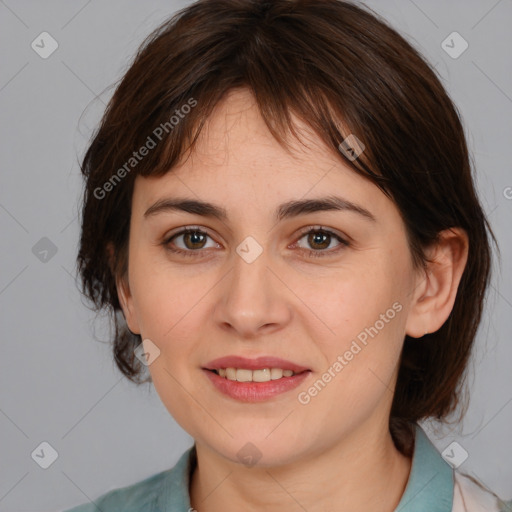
(276, 373)
(244, 375)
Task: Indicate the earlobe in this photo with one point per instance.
(436, 289)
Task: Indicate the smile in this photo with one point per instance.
(249, 389)
(262, 375)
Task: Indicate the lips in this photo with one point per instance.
(254, 364)
(254, 391)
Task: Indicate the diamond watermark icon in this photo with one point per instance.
(454, 454)
(44, 455)
(44, 45)
(44, 250)
(454, 45)
(351, 147)
(249, 249)
(249, 455)
(147, 352)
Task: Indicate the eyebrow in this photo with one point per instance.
(286, 210)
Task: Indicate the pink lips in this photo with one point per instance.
(254, 391)
(254, 364)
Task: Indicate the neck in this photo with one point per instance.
(364, 471)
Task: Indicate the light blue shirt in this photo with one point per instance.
(430, 487)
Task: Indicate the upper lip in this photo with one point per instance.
(254, 364)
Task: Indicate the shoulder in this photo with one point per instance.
(165, 490)
(469, 495)
(137, 497)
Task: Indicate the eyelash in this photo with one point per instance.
(306, 231)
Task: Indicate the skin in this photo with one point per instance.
(336, 452)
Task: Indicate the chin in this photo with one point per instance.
(258, 451)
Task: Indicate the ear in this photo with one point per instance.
(436, 288)
(126, 300)
(124, 294)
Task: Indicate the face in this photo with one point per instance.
(326, 290)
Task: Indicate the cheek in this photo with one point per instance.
(168, 307)
(365, 311)
(353, 300)
(163, 296)
(361, 361)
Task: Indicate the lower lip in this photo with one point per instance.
(255, 391)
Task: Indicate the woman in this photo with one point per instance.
(279, 200)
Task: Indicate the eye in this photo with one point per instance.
(192, 240)
(320, 239)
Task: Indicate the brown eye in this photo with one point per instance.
(194, 239)
(188, 242)
(319, 240)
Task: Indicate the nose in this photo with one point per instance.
(252, 299)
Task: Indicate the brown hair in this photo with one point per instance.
(342, 70)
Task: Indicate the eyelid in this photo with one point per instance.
(303, 231)
(344, 240)
(319, 227)
(183, 229)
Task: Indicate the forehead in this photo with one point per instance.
(237, 161)
(236, 132)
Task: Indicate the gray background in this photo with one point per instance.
(59, 385)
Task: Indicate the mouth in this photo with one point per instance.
(254, 380)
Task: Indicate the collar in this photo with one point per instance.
(429, 487)
(431, 481)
